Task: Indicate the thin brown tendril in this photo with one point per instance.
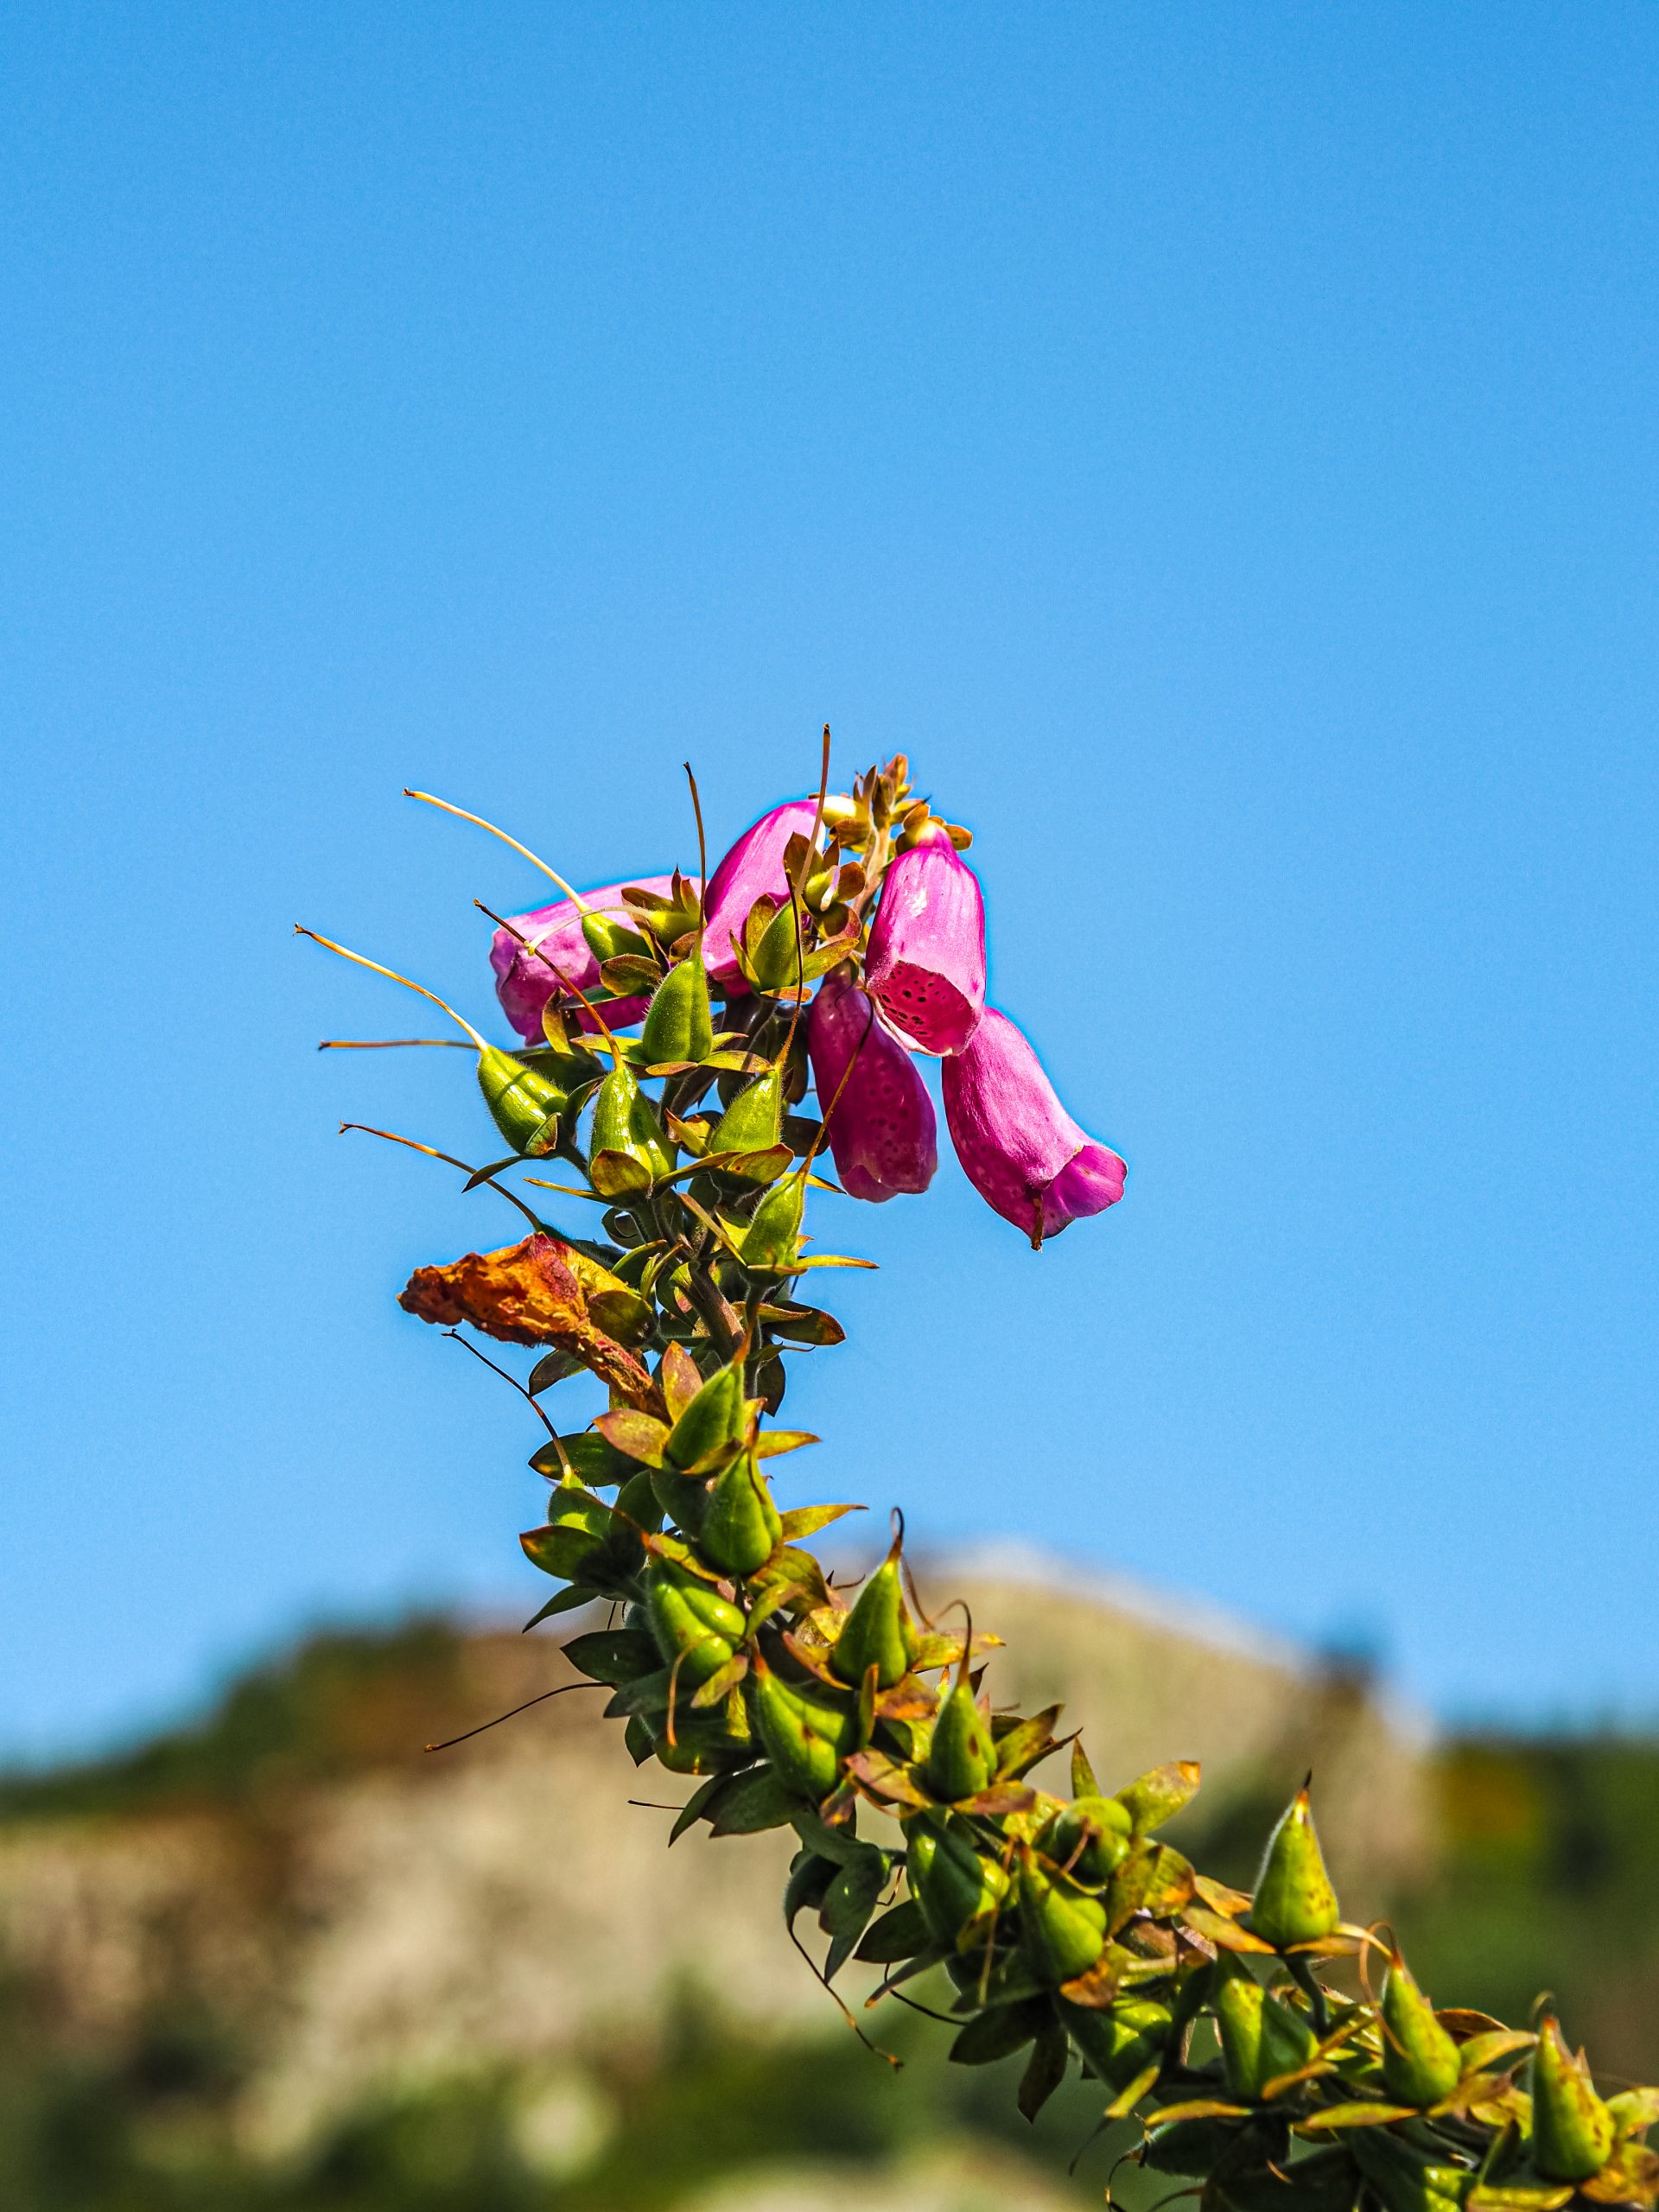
(449, 1742)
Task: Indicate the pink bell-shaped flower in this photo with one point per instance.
(752, 868)
(881, 1127)
(925, 966)
(1018, 1146)
(524, 982)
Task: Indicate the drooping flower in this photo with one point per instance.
(881, 1126)
(753, 868)
(925, 967)
(1018, 1146)
(525, 981)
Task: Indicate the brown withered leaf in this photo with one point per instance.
(535, 1293)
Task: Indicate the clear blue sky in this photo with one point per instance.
(1217, 443)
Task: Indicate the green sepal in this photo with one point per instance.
(1158, 1794)
(607, 940)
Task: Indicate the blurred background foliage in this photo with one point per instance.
(1538, 1877)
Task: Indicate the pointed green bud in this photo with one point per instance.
(1090, 1838)
(1261, 2038)
(741, 1527)
(1295, 1902)
(878, 1631)
(961, 1758)
(714, 1418)
(524, 1105)
(1420, 2060)
(624, 1120)
(1062, 1928)
(805, 1734)
(754, 1120)
(1572, 2129)
(679, 1025)
(949, 1880)
(771, 1243)
(607, 938)
(691, 1622)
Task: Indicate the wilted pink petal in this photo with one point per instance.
(1018, 1146)
(882, 1131)
(926, 962)
(753, 868)
(524, 983)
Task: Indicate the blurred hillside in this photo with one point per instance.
(287, 1958)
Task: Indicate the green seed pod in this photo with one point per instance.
(806, 1734)
(771, 1244)
(1090, 1838)
(706, 1743)
(1572, 2129)
(679, 1025)
(624, 1120)
(754, 1120)
(1295, 1902)
(523, 1103)
(961, 1759)
(878, 1632)
(1420, 2060)
(1261, 2038)
(741, 1527)
(949, 1880)
(691, 1622)
(715, 1417)
(1120, 2041)
(1062, 1928)
(776, 959)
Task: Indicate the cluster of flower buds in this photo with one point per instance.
(833, 937)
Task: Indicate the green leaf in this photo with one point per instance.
(1000, 2030)
(772, 1441)
(900, 1934)
(828, 1260)
(802, 1324)
(1021, 1747)
(638, 1434)
(551, 1368)
(1355, 2115)
(561, 1552)
(751, 1802)
(847, 1904)
(592, 1460)
(807, 1520)
(697, 1804)
(613, 1654)
(618, 1175)
(622, 1314)
(562, 1601)
(1158, 1794)
(1045, 2071)
(721, 1684)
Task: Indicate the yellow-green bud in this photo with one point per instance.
(1572, 2129)
(1295, 1902)
(1420, 2060)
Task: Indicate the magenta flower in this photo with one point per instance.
(1018, 1146)
(525, 983)
(881, 1128)
(925, 966)
(753, 868)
